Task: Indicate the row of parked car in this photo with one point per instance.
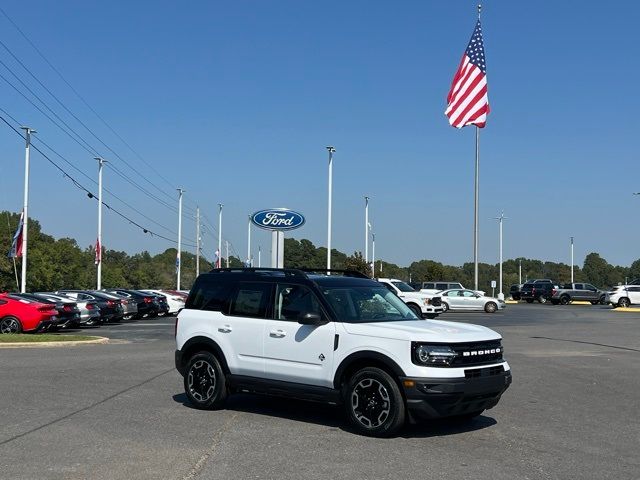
(544, 290)
(64, 309)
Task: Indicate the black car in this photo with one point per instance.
(540, 291)
(110, 309)
(68, 313)
(146, 304)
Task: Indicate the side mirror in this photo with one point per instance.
(311, 318)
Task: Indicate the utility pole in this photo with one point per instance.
(220, 234)
(331, 151)
(571, 259)
(366, 229)
(227, 242)
(259, 256)
(27, 135)
(178, 259)
(197, 241)
(249, 262)
(99, 242)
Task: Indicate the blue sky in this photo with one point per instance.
(236, 101)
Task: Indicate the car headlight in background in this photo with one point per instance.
(434, 355)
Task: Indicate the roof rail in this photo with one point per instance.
(287, 272)
(344, 273)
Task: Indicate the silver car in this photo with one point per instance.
(129, 305)
(468, 300)
(89, 311)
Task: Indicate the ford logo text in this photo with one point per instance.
(278, 219)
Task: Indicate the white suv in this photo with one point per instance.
(421, 303)
(343, 339)
(623, 295)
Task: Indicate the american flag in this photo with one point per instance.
(467, 102)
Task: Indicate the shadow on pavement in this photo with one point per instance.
(334, 416)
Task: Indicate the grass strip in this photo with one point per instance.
(43, 337)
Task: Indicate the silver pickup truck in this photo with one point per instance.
(570, 292)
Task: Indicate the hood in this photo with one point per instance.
(415, 295)
(436, 331)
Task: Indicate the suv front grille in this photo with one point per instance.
(477, 353)
(436, 301)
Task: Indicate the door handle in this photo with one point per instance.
(277, 333)
(225, 329)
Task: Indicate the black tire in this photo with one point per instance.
(490, 307)
(10, 325)
(516, 297)
(565, 300)
(595, 302)
(204, 382)
(529, 300)
(374, 403)
(415, 309)
(542, 299)
(602, 300)
(445, 307)
(624, 302)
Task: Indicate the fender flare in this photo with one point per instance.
(204, 343)
(366, 355)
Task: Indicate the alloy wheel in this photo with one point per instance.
(201, 381)
(370, 403)
(9, 325)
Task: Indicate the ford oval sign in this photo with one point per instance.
(278, 219)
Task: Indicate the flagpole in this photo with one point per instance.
(27, 135)
(178, 259)
(475, 210)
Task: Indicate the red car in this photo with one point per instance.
(18, 315)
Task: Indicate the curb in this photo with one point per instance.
(628, 309)
(70, 343)
(580, 302)
(512, 302)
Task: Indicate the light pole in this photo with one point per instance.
(331, 151)
(373, 254)
(197, 241)
(227, 242)
(99, 242)
(519, 271)
(27, 136)
(220, 205)
(366, 229)
(178, 262)
(249, 244)
(571, 259)
(259, 256)
(500, 294)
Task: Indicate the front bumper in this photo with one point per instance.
(429, 398)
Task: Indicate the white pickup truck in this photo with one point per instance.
(423, 304)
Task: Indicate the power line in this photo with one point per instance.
(84, 102)
(89, 193)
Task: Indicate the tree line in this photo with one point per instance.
(62, 263)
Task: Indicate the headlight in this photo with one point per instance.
(434, 355)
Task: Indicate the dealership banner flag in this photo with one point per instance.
(98, 252)
(16, 243)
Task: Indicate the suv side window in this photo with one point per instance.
(428, 285)
(442, 286)
(209, 295)
(388, 287)
(251, 299)
(293, 301)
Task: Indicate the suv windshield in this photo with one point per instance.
(359, 304)
(403, 287)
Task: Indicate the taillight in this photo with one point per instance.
(111, 303)
(47, 308)
(90, 306)
(67, 308)
(147, 300)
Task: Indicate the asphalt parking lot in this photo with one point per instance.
(118, 411)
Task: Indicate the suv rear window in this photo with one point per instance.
(209, 295)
